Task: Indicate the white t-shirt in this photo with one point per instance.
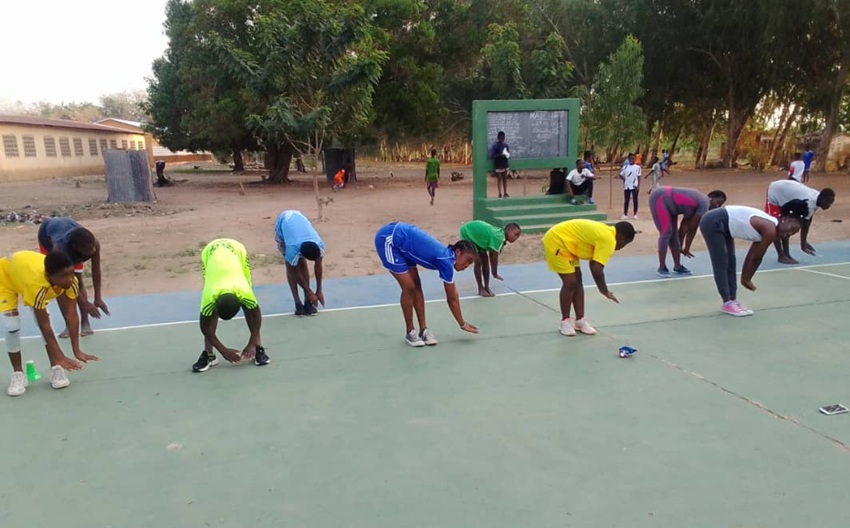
(631, 176)
(739, 222)
(796, 170)
(578, 178)
(781, 192)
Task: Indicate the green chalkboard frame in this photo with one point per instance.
(481, 166)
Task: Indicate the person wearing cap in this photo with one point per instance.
(228, 289)
(720, 227)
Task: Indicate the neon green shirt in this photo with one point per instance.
(226, 270)
(432, 169)
(486, 237)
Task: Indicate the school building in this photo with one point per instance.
(37, 148)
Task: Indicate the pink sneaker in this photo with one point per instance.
(744, 308)
(734, 309)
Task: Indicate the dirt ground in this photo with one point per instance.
(155, 247)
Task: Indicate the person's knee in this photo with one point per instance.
(12, 326)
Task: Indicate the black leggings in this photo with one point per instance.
(634, 194)
(714, 227)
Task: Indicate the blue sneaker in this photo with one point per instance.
(627, 351)
(681, 270)
(663, 272)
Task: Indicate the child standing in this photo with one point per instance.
(432, 174)
(630, 174)
(655, 173)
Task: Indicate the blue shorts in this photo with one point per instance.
(392, 259)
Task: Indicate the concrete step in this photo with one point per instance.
(548, 218)
(509, 208)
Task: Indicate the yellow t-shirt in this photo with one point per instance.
(584, 239)
(23, 274)
(226, 270)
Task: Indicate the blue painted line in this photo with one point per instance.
(352, 292)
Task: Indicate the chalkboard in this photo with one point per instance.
(531, 135)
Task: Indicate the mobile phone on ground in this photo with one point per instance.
(829, 410)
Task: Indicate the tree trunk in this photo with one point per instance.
(779, 141)
(656, 145)
(738, 118)
(128, 177)
(673, 145)
(238, 162)
(832, 118)
(705, 141)
(279, 157)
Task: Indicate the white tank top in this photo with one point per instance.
(739, 222)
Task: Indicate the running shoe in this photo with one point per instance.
(681, 270)
(204, 362)
(567, 327)
(428, 337)
(413, 339)
(663, 272)
(584, 327)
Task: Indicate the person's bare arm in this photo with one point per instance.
(96, 281)
(208, 329)
(54, 352)
(494, 264)
(317, 270)
(687, 232)
(804, 237)
(72, 322)
(454, 306)
(254, 318)
(598, 272)
(757, 250)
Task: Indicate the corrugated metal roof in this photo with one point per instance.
(137, 124)
(58, 123)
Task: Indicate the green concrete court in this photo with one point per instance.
(714, 422)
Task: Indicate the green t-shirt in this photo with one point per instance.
(226, 270)
(432, 169)
(486, 237)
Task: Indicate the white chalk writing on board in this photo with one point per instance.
(531, 134)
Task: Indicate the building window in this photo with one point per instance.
(65, 147)
(29, 146)
(92, 147)
(141, 145)
(10, 146)
(124, 144)
(132, 145)
(78, 147)
(103, 146)
(113, 144)
(50, 146)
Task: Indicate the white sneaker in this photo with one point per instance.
(584, 327)
(413, 339)
(428, 337)
(624, 217)
(58, 379)
(567, 327)
(18, 385)
(634, 217)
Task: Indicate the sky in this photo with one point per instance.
(77, 50)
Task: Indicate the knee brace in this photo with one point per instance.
(12, 325)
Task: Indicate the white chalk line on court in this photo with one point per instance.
(824, 273)
(466, 298)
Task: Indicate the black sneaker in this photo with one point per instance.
(310, 308)
(299, 310)
(261, 358)
(204, 362)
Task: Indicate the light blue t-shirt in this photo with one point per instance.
(293, 228)
(425, 250)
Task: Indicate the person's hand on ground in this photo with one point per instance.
(85, 358)
(249, 352)
(610, 295)
(231, 355)
(68, 363)
(808, 249)
(467, 327)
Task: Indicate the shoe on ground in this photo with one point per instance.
(734, 309)
(573, 202)
(310, 308)
(744, 308)
(18, 385)
(567, 327)
(681, 270)
(590, 201)
(204, 362)
(624, 217)
(507, 195)
(413, 339)
(584, 327)
(299, 310)
(261, 358)
(663, 272)
(58, 379)
(634, 217)
(428, 337)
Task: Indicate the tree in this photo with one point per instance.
(125, 105)
(613, 118)
(310, 68)
(838, 27)
(502, 61)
